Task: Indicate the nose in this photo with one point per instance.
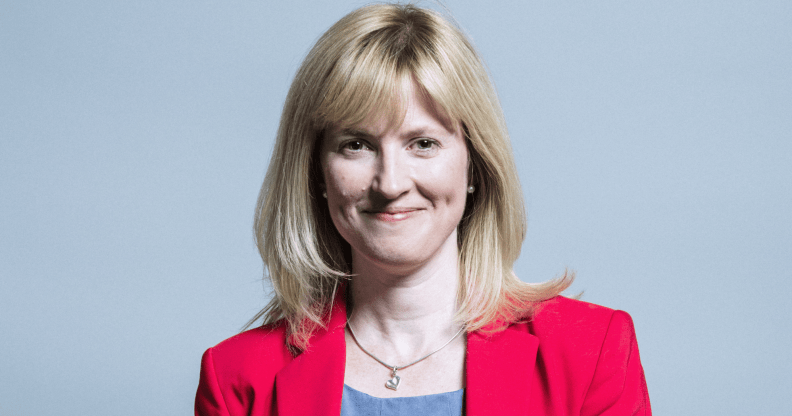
(392, 178)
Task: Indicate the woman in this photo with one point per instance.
(389, 221)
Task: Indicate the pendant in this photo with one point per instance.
(393, 383)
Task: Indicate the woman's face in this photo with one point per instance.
(396, 194)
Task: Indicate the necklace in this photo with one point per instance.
(394, 381)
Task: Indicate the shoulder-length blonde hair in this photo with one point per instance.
(358, 68)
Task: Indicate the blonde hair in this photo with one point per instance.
(358, 68)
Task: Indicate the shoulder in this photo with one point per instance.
(570, 330)
(592, 352)
(238, 374)
(561, 314)
(255, 355)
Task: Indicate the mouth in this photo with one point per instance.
(392, 214)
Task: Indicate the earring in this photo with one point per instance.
(324, 194)
(471, 189)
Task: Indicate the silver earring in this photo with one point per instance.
(324, 194)
(471, 189)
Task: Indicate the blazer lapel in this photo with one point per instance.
(499, 369)
(313, 383)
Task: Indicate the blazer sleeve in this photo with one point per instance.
(618, 386)
(209, 399)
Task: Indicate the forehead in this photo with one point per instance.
(413, 109)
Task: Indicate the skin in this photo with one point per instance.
(396, 194)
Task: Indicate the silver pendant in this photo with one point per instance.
(393, 383)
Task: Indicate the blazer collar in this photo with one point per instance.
(498, 371)
(313, 383)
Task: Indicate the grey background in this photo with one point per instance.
(653, 139)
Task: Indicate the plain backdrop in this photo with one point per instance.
(653, 140)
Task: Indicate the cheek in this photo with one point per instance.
(449, 180)
(342, 185)
(346, 184)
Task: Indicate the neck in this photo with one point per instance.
(406, 309)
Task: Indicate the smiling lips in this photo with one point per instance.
(392, 215)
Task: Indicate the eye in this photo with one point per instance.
(353, 145)
(424, 144)
(425, 147)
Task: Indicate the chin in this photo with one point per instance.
(396, 259)
(401, 251)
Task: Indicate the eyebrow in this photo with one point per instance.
(358, 132)
(420, 132)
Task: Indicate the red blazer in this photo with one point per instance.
(572, 358)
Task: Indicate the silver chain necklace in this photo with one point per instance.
(394, 381)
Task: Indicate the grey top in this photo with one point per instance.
(357, 403)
